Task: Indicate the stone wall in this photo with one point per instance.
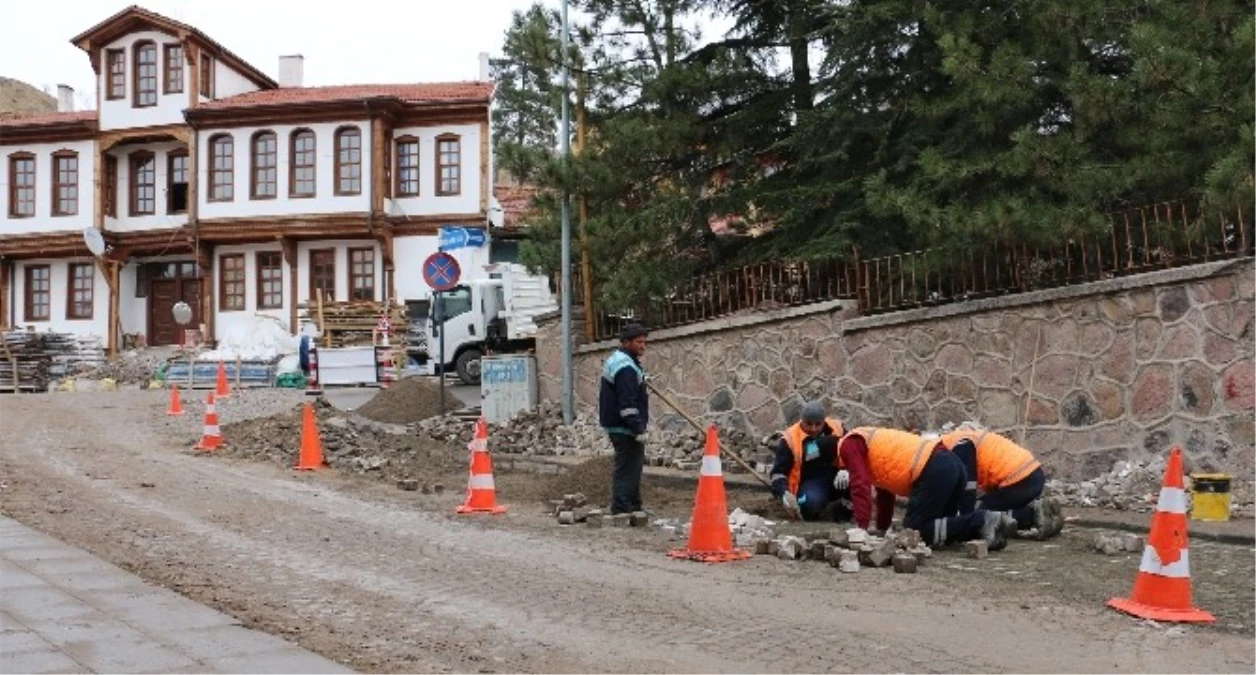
(1116, 369)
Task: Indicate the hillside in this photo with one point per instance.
(19, 98)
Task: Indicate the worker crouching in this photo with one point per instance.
(804, 473)
(1010, 478)
(901, 464)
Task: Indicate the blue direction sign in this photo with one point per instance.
(441, 271)
(452, 237)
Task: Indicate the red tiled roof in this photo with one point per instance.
(40, 119)
(515, 202)
(435, 92)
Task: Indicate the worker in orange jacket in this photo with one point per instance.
(901, 464)
(805, 465)
(1010, 478)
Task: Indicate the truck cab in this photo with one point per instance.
(487, 316)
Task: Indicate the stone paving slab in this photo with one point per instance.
(63, 610)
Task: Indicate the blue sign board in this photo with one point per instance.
(511, 371)
(441, 271)
(452, 237)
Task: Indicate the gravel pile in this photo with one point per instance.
(136, 366)
(350, 442)
(411, 400)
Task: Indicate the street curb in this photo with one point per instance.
(1219, 537)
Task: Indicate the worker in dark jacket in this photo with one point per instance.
(900, 464)
(804, 473)
(624, 412)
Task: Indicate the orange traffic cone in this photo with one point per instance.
(311, 456)
(176, 406)
(222, 391)
(212, 438)
(481, 491)
(1162, 590)
(709, 537)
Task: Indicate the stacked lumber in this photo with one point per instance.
(26, 360)
(353, 324)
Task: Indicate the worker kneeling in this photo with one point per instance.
(804, 473)
(902, 464)
(1010, 478)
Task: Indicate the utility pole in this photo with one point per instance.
(586, 270)
(569, 413)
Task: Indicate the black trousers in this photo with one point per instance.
(626, 475)
(1017, 497)
(934, 505)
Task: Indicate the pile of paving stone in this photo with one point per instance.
(574, 509)
(847, 549)
(540, 431)
(1135, 486)
(135, 366)
(1116, 543)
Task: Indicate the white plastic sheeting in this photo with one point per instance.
(259, 338)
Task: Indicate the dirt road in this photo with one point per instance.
(388, 581)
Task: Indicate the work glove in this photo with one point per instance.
(842, 480)
(641, 437)
(778, 487)
(790, 502)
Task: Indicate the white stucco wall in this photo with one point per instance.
(410, 253)
(427, 203)
(342, 266)
(44, 221)
(228, 82)
(59, 269)
(120, 113)
(228, 320)
(325, 199)
(160, 219)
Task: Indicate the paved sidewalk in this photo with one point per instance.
(63, 610)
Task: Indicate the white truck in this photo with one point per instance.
(493, 315)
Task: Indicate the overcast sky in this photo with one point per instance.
(354, 42)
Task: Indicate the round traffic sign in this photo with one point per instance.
(441, 271)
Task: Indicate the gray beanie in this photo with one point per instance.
(813, 411)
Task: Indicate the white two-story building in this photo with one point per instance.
(214, 184)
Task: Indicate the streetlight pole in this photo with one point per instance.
(569, 413)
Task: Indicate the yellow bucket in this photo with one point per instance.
(1211, 496)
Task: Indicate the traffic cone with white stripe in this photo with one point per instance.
(211, 439)
(481, 491)
(710, 540)
(1162, 591)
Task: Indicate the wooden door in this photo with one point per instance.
(162, 294)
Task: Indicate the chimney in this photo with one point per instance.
(484, 67)
(291, 70)
(65, 98)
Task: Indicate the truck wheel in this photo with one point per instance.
(468, 366)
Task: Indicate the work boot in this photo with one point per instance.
(993, 530)
(1042, 516)
(1055, 518)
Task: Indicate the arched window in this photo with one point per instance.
(348, 161)
(221, 168)
(301, 166)
(64, 183)
(265, 178)
(407, 166)
(145, 74)
(448, 165)
(21, 185)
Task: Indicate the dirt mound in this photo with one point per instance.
(593, 478)
(349, 443)
(413, 399)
